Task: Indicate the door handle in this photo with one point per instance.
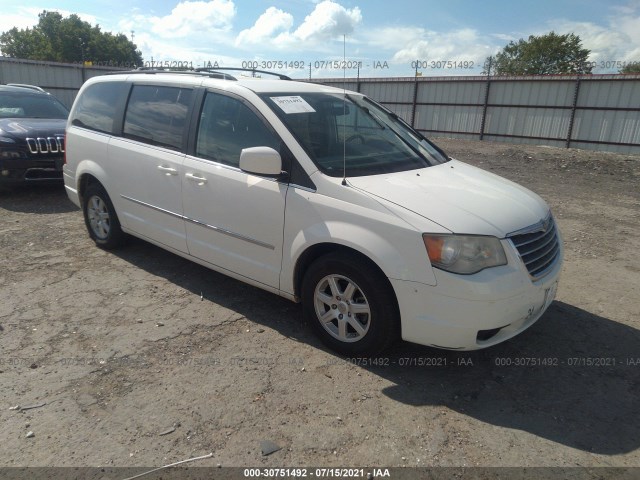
(167, 170)
(195, 178)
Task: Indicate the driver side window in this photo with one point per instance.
(226, 127)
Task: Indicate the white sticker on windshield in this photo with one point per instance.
(293, 104)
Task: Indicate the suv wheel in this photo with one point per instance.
(101, 219)
(349, 304)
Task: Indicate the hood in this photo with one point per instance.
(459, 197)
(21, 128)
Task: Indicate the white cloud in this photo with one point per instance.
(630, 27)
(328, 21)
(195, 18)
(168, 50)
(269, 23)
(192, 33)
(617, 41)
(407, 44)
(507, 37)
(631, 8)
(18, 20)
(602, 41)
(393, 38)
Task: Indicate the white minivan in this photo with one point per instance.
(316, 194)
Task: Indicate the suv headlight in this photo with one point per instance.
(464, 254)
(7, 148)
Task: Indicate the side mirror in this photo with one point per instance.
(261, 161)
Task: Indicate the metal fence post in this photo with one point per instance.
(484, 107)
(415, 99)
(576, 92)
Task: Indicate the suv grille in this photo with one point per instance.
(42, 145)
(538, 246)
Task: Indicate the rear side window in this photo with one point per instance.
(96, 108)
(157, 115)
(227, 126)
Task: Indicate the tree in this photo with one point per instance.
(541, 55)
(59, 39)
(633, 67)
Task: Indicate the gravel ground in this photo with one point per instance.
(140, 358)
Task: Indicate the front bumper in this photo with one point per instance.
(27, 170)
(470, 312)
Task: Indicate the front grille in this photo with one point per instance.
(46, 145)
(538, 246)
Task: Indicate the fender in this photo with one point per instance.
(90, 167)
(392, 244)
(87, 142)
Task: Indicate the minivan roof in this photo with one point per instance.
(255, 84)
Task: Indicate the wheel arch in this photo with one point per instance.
(89, 172)
(313, 252)
(85, 180)
(372, 270)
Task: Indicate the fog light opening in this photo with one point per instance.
(484, 335)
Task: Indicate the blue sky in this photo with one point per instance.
(384, 37)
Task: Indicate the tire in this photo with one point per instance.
(350, 305)
(101, 219)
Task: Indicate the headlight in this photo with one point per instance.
(9, 154)
(6, 146)
(464, 254)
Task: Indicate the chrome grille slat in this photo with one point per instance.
(543, 254)
(550, 233)
(538, 247)
(542, 262)
(46, 145)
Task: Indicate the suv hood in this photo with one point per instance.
(20, 128)
(459, 197)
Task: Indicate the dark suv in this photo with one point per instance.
(32, 124)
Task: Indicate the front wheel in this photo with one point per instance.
(349, 304)
(101, 219)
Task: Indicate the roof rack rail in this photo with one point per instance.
(154, 70)
(237, 69)
(210, 72)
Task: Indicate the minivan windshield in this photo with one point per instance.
(351, 131)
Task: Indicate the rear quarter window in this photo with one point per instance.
(96, 107)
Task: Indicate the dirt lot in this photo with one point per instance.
(124, 346)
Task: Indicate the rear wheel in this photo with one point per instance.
(349, 304)
(101, 219)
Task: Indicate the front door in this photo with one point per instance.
(234, 220)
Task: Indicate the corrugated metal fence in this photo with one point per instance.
(595, 112)
(61, 79)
